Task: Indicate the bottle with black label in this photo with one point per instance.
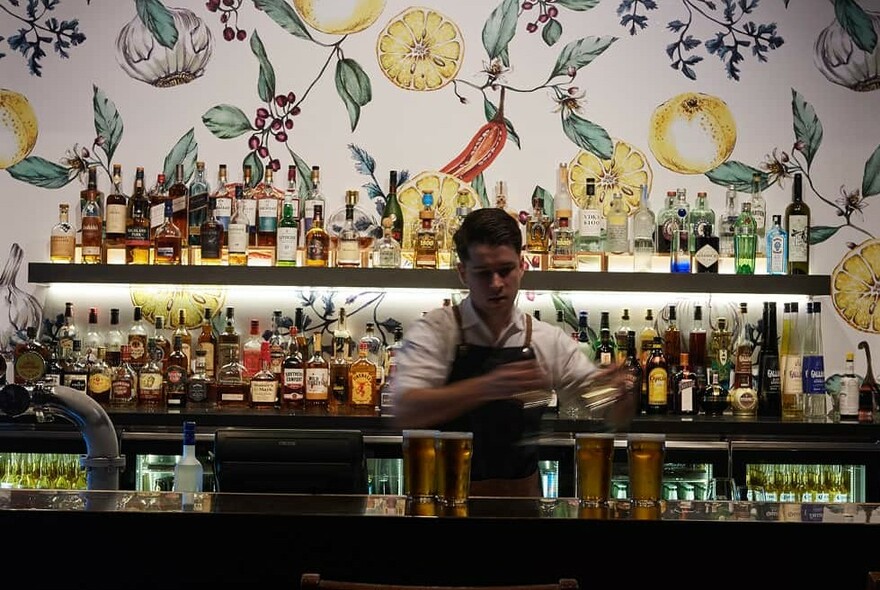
(769, 378)
(707, 250)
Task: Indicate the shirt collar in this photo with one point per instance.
(474, 325)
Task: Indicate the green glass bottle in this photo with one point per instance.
(745, 240)
(392, 208)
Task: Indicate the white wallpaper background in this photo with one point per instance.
(424, 130)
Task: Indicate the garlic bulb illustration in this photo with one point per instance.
(144, 58)
(843, 62)
(18, 309)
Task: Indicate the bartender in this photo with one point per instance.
(469, 367)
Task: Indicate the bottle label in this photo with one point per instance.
(317, 384)
(814, 374)
(798, 238)
(150, 387)
(76, 381)
(288, 238)
(197, 391)
(211, 244)
(315, 250)
(849, 396)
(223, 210)
(267, 214)
(30, 366)
(686, 392)
(591, 223)
(178, 203)
(137, 236)
(605, 359)
(99, 384)
(657, 386)
(794, 378)
(776, 255)
(238, 237)
(209, 356)
(348, 252)
(157, 215)
(362, 386)
(248, 209)
(121, 391)
(707, 256)
(115, 222)
(264, 391)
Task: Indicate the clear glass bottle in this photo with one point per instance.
(386, 250)
(92, 222)
(137, 223)
(744, 241)
(62, 243)
(797, 226)
(288, 226)
(315, 196)
(563, 252)
(251, 350)
(237, 235)
(425, 242)
(759, 212)
(167, 240)
(591, 230)
(815, 406)
(114, 339)
(94, 336)
(233, 386)
(463, 206)
(777, 248)
(347, 244)
(728, 221)
(317, 241)
(680, 254)
(666, 220)
(617, 226)
(644, 230)
(848, 398)
(198, 211)
(699, 217)
(375, 350)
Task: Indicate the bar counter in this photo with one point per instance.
(126, 539)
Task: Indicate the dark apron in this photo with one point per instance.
(501, 465)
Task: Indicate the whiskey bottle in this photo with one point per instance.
(62, 242)
(176, 376)
(375, 351)
(237, 235)
(233, 387)
(229, 342)
(124, 381)
(115, 216)
(92, 222)
(99, 376)
(207, 342)
(697, 346)
(317, 241)
(797, 226)
(288, 226)
(268, 206)
(158, 194)
(199, 209)
(211, 236)
(347, 244)
(68, 331)
(163, 343)
(200, 389)
(75, 373)
(293, 374)
(137, 223)
(632, 371)
(620, 335)
(277, 345)
(657, 378)
(182, 330)
(646, 337)
(114, 338)
(249, 204)
(222, 198)
(31, 359)
(672, 341)
(251, 350)
(137, 339)
(94, 337)
(317, 376)
(167, 240)
(178, 194)
(363, 385)
(338, 402)
(425, 239)
(263, 384)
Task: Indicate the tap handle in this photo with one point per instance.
(15, 399)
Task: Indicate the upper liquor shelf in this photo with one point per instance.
(381, 278)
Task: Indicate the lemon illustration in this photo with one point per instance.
(625, 172)
(167, 301)
(339, 17)
(692, 133)
(420, 49)
(18, 128)
(444, 188)
(855, 287)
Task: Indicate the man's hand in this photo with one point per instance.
(607, 397)
(511, 379)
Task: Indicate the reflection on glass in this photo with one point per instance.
(41, 471)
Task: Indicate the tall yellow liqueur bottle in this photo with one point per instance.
(425, 241)
(137, 223)
(317, 242)
(92, 222)
(62, 243)
(115, 220)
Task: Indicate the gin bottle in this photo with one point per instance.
(666, 220)
(644, 228)
(728, 220)
(700, 216)
(777, 248)
(744, 241)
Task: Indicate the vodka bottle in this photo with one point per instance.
(592, 223)
(188, 472)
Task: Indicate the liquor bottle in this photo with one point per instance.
(848, 399)
(620, 334)
(814, 365)
(268, 207)
(538, 234)
(176, 375)
(54, 368)
(742, 352)
(167, 240)
(783, 343)
(211, 236)
(315, 196)
(157, 194)
(375, 351)
(115, 213)
(563, 249)
(700, 218)
(180, 329)
(719, 352)
(238, 233)
(347, 243)
(586, 336)
(591, 229)
(715, 399)
(62, 242)
(92, 222)
(463, 207)
(501, 203)
(684, 388)
(605, 355)
(338, 401)
(293, 374)
(288, 226)
(697, 345)
(99, 376)
(792, 383)
(392, 209)
(317, 391)
(178, 194)
(317, 240)
(229, 341)
(251, 351)
(617, 226)
(797, 226)
(188, 471)
(31, 359)
(94, 337)
(363, 384)
(868, 390)
(150, 378)
(68, 331)
(744, 241)
(137, 339)
(708, 251)
(646, 337)
(248, 204)
(777, 248)
(199, 211)
(632, 371)
(667, 218)
(389, 365)
(759, 212)
(233, 388)
(199, 386)
(163, 342)
(75, 372)
(114, 338)
(277, 345)
(386, 250)
(222, 198)
(425, 235)
(728, 220)
(679, 252)
(263, 384)
(657, 378)
(302, 340)
(644, 230)
(124, 381)
(207, 341)
(672, 341)
(137, 223)
(769, 381)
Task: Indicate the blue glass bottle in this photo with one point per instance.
(777, 248)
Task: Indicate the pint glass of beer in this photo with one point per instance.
(454, 450)
(646, 453)
(420, 465)
(594, 454)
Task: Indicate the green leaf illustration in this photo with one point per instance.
(353, 86)
(820, 233)
(158, 21)
(266, 80)
(563, 304)
(589, 136)
(226, 121)
(185, 152)
(479, 185)
(282, 13)
(490, 109)
(737, 174)
(551, 32)
(871, 178)
(303, 173)
(256, 165)
(578, 4)
(499, 29)
(41, 172)
(540, 191)
(579, 53)
(807, 127)
(856, 23)
(108, 123)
